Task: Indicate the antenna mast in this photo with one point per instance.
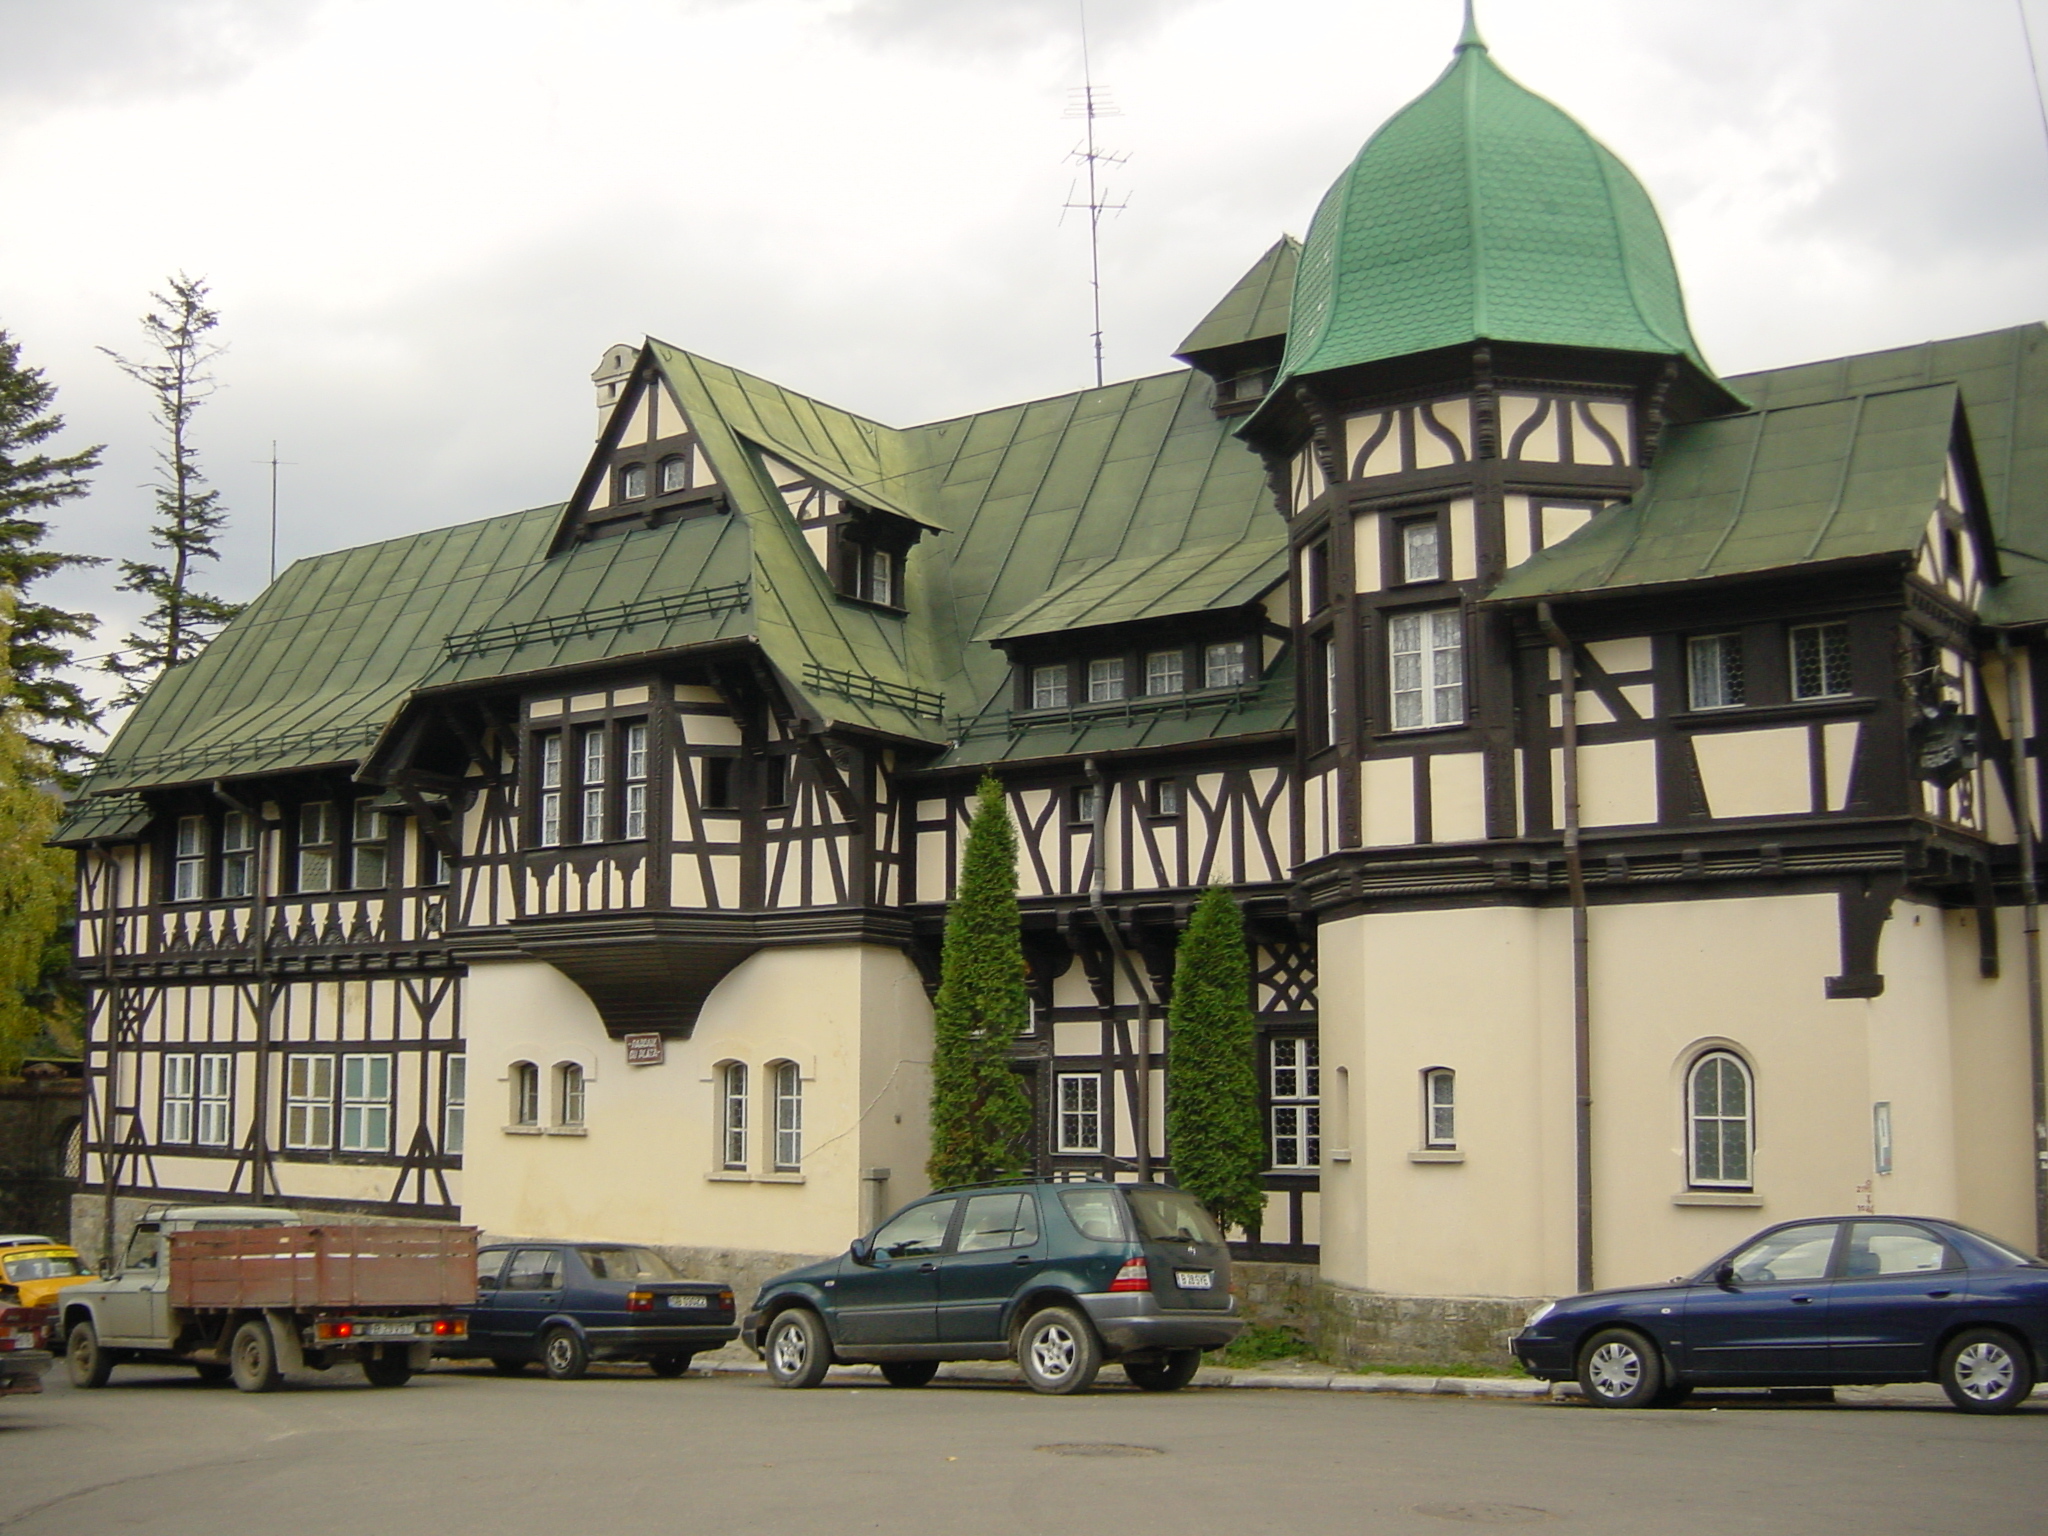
(1089, 103)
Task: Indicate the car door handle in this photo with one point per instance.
(1024, 1258)
(1937, 1295)
(1800, 1301)
(927, 1269)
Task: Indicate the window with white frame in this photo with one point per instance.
(633, 482)
(316, 846)
(1326, 671)
(308, 1103)
(789, 1116)
(590, 821)
(1081, 804)
(569, 1095)
(188, 871)
(214, 1127)
(878, 576)
(1079, 1122)
(1165, 797)
(237, 854)
(1165, 672)
(1422, 552)
(433, 862)
(1820, 661)
(1296, 1090)
(633, 772)
(1426, 664)
(525, 1093)
(1440, 1109)
(548, 819)
(674, 474)
(174, 1102)
(366, 1103)
(1713, 670)
(370, 846)
(1105, 680)
(1223, 664)
(1049, 687)
(1721, 1121)
(454, 1104)
(732, 1116)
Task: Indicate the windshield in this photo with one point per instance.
(1171, 1215)
(44, 1266)
(628, 1264)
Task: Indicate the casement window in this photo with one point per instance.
(548, 823)
(775, 781)
(1820, 661)
(316, 846)
(1315, 578)
(590, 817)
(174, 1104)
(454, 1104)
(1105, 680)
(308, 1103)
(237, 855)
(366, 1103)
(878, 576)
(1049, 687)
(525, 1093)
(1720, 1122)
(1713, 670)
(1426, 666)
(1326, 680)
(569, 1095)
(632, 482)
(1420, 547)
(433, 862)
(674, 474)
(370, 847)
(188, 871)
(789, 1116)
(633, 771)
(1440, 1109)
(1079, 1121)
(718, 783)
(213, 1126)
(1081, 804)
(732, 1116)
(1163, 797)
(1295, 1087)
(1165, 672)
(1223, 665)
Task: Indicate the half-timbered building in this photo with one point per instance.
(1628, 774)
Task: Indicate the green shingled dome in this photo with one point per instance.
(1482, 211)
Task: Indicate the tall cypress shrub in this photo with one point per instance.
(1216, 1141)
(981, 1118)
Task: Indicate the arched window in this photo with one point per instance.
(789, 1116)
(632, 482)
(732, 1115)
(568, 1094)
(674, 473)
(1720, 1115)
(525, 1093)
(1440, 1109)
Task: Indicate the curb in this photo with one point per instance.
(1216, 1377)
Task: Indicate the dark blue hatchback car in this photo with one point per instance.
(1847, 1300)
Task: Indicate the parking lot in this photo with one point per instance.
(462, 1450)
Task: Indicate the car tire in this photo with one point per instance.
(1619, 1368)
(387, 1365)
(509, 1365)
(909, 1373)
(1984, 1370)
(214, 1375)
(797, 1350)
(563, 1356)
(1058, 1352)
(670, 1365)
(1169, 1374)
(253, 1358)
(87, 1363)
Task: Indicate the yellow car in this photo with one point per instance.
(32, 1274)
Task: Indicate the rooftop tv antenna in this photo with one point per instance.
(273, 461)
(1088, 103)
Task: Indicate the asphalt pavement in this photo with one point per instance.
(461, 1450)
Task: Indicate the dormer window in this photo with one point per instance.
(1105, 680)
(867, 553)
(1244, 388)
(1223, 664)
(1049, 687)
(632, 482)
(673, 474)
(878, 576)
(1165, 672)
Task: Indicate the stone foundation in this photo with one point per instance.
(1361, 1329)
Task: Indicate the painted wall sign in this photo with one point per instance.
(645, 1050)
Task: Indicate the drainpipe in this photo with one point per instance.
(259, 957)
(1141, 988)
(2030, 906)
(110, 1167)
(1582, 1001)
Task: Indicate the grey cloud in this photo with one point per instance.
(995, 27)
(53, 50)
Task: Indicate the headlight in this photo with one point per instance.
(1540, 1313)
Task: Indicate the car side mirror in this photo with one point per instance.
(1724, 1277)
(487, 1282)
(860, 1250)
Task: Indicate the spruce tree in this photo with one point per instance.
(35, 892)
(178, 370)
(1215, 1138)
(981, 1117)
(33, 483)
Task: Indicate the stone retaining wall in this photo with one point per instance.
(1360, 1329)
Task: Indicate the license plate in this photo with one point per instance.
(697, 1303)
(1195, 1279)
(384, 1330)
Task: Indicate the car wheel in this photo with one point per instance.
(1985, 1371)
(253, 1358)
(1058, 1352)
(909, 1373)
(214, 1375)
(508, 1365)
(89, 1365)
(797, 1351)
(1169, 1374)
(670, 1365)
(562, 1355)
(1619, 1368)
(387, 1365)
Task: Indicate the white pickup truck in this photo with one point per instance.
(250, 1292)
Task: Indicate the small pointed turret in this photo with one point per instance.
(1470, 38)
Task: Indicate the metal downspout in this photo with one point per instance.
(1582, 998)
(1140, 987)
(2030, 906)
(259, 960)
(110, 1168)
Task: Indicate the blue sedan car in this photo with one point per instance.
(1839, 1301)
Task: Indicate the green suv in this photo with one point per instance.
(1058, 1277)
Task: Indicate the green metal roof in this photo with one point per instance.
(108, 816)
(1481, 211)
(1256, 307)
(1193, 578)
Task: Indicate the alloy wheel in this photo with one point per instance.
(1616, 1370)
(1052, 1351)
(791, 1350)
(1984, 1371)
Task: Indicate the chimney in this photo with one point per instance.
(610, 376)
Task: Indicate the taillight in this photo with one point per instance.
(640, 1301)
(725, 1300)
(1134, 1276)
(447, 1326)
(335, 1331)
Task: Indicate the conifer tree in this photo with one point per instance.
(981, 1118)
(178, 370)
(35, 890)
(33, 483)
(1212, 1105)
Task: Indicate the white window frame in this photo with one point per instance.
(188, 872)
(1166, 797)
(673, 473)
(1166, 672)
(237, 855)
(1714, 672)
(1225, 664)
(525, 1079)
(786, 1081)
(1818, 636)
(1701, 1171)
(632, 482)
(571, 1091)
(177, 1086)
(1440, 1109)
(1426, 669)
(369, 848)
(591, 770)
(1295, 1094)
(214, 1124)
(547, 831)
(732, 1116)
(308, 1103)
(1106, 680)
(367, 1081)
(454, 1104)
(1077, 1120)
(1050, 686)
(316, 870)
(633, 773)
(878, 576)
(1422, 559)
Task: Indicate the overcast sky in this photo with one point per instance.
(423, 220)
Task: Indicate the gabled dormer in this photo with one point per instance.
(649, 467)
(1239, 343)
(862, 549)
